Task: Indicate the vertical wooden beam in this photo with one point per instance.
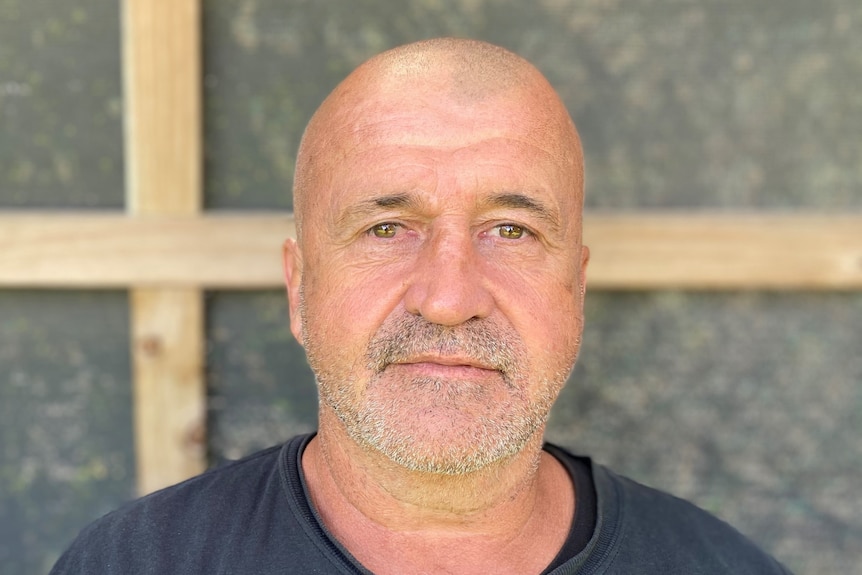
(162, 76)
(168, 348)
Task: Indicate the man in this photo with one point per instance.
(437, 285)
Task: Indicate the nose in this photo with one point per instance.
(447, 286)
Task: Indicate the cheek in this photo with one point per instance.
(546, 311)
(559, 326)
(345, 305)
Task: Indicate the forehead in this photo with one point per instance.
(385, 136)
(430, 113)
(503, 134)
(489, 165)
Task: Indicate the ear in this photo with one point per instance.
(582, 279)
(585, 261)
(292, 260)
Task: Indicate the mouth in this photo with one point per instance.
(447, 361)
(448, 367)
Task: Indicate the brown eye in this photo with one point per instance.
(385, 230)
(511, 231)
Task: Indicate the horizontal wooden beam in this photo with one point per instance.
(242, 251)
(112, 251)
(725, 251)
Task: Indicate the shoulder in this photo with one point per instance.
(639, 526)
(674, 534)
(190, 518)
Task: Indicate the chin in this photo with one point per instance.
(445, 441)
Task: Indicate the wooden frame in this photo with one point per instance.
(162, 76)
(165, 251)
(242, 251)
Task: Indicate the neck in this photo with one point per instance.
(371, 505)
(376, 485)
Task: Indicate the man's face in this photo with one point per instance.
(438, 286)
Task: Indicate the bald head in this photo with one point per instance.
(467, 73)
(470, 70)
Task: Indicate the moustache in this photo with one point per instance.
(407, 336)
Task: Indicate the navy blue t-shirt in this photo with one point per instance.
(254, 516)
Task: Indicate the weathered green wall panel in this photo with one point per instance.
(66, 453)
(60, 104)
(747, 403)
(712, 103)
(261, 389)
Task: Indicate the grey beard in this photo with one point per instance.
(501, 432)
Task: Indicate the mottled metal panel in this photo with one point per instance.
(66, 448)
(680, 104)
(261, 390)
(748, 404)
(60, 104)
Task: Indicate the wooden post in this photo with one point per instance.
(162, 77)
(168, 349)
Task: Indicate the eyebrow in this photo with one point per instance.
(521, 202)
(511, 200)
(391, 201)
(371, 206)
